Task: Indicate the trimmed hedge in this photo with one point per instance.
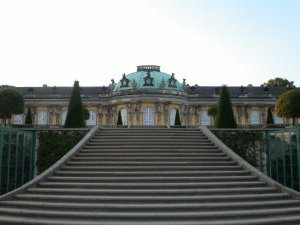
(243, 142)
(55, 144)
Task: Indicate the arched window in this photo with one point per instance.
(278, 120)
(92, 121)
(42, 118)
(124, 117)
(172, 117)
(255, 117)
(63, 117)
(205, 119)
(18, 119)
(148, 117)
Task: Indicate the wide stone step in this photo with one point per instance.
(153, 185)
(95, 149)
(151, 143)
(138, 173)
(157, 199)
(150, 154)
(136, 207)
(152, 163)
(152, 192)
(152, 147)
(150, 158)
(151, 168)
(154, 179)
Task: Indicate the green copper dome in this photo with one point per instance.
(148, 77)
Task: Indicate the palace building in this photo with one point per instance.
(148, 97)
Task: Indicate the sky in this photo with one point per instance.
(207, 42)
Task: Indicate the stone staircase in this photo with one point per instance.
(151, 176)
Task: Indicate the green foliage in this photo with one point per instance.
(86, 114)
(225, 117)
(75, 115)
(54, 145)
(119, 121)
(177, 118)
(11, 102)
(244, 143)
(288, 105)
(28, 119)
(279, 82)
(212, 111)
(270, 119)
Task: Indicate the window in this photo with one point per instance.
(18, 119)
(148, 116)
(205, 119)
(298, 120)
(92, 121)
(63, 117)
(255, 117)
(278, 120)
(124, 117)
(172, 117)
(42, 118)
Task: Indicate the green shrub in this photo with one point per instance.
(53, 145)
(242, 143)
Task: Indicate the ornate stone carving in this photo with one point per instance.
(172, 81)
(124, 81)
(162, 84)
(134, 84)
(148, 80)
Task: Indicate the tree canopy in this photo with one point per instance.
(11, 102)
(75, 115)
(288, 105)
(279, 82)
(225, 117)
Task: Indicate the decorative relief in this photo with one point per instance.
(124, 81)
(172, 81)
(148, 80)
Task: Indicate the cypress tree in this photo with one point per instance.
(270, 119)
(225, 117)
(177, 119)
(119, 121)
(28, 119)
(75, 115)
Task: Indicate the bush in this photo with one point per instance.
(225, 117)
(53, 145)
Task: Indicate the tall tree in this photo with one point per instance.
(225, 116)
(119, 121)
(270, 119)
(11, 102)
(75, 115)
(279, 82)
(28, 119)
(177, 118)
(288, 105)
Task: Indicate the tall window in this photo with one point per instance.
(172, 117)
(63, 117)
(124, 117)
(278, 120)
(205, 119)
(255, 117)
(148, 116)
(42, 118)
(92, 121)
(18, 119)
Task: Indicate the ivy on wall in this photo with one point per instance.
(53, 145)
(242, 142)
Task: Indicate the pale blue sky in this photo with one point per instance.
(208, 42)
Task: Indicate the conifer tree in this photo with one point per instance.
(119, 121)
(75, 115)
(225, 117)
(177, 119)
(270, 119)
(28, 119)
